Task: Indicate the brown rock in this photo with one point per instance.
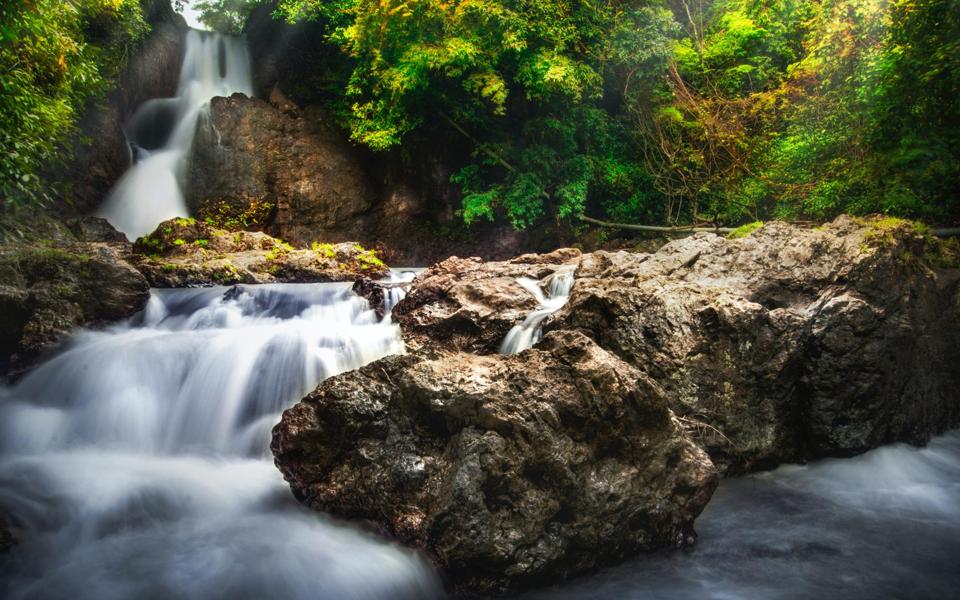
(508, 471)
(188, 252)
(48, 291)
(466, 304)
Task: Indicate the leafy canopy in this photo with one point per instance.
(54, 56)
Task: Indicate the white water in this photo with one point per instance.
(528, 333)
(136, 462)
(882, 525)
(394, 294)
(162, 130)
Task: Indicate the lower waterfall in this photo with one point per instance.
(136, 464)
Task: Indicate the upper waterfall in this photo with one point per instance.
(161, 133)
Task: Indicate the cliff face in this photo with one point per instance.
(153, 72)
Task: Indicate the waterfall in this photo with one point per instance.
(396, 292)
(528, 333)
(136, 463)
(162, 130)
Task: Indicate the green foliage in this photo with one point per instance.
(802, 109)
(324, 250)
(54, 56)
(745, 230)
(537, 86)
(225, 16)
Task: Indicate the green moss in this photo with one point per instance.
(325, 250)
(744, 230)
(251, 215)
(368, 260)
(202, 243)
(179, 242)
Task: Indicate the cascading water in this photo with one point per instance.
(528, 333)
(397, 281)
(882, 525)
(162, 130)
(136, 463)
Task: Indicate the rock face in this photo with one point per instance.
(249, 152)
(508, 471)
(48, 291)
(296, 169)
(187, 252)
(789, 344)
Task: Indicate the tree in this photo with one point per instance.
(537, 85)
(54, 56)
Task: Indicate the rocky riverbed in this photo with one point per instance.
(789, 344)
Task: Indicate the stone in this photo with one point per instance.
(47, 291)
(188, 252)
(508, 471)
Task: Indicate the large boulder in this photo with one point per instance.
(789, 344)
(45, 292)
(508, 471)
(786, 345)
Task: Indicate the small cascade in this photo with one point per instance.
(136, 462)
(529, 332)
(161, 133)
(396, 291)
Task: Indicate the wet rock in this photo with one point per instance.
(46, 291)
(509, 471)
(188, 252)
(467, 304)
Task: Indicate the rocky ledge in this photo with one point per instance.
(785, 345)
(788, 344)
(48, 290)
(188, 252)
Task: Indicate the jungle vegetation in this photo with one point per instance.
(637, 111)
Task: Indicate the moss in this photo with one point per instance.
(744, 230)
(251, 215)
(202, 243)
(168, 267)
(179, 242)
(882, 231)
(324, 250)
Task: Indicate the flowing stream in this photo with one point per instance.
(885, 524)
(528, 333)
(136, 464)
(161, 133)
